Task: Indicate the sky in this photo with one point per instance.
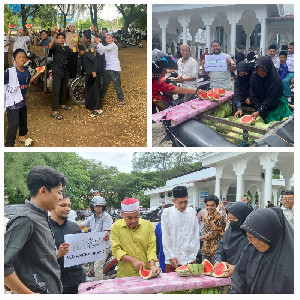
(120, 160)
(109, 12)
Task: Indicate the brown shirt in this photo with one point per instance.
(214, 227)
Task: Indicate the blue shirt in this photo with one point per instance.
(159, 248)
(23, 78)
(283, 70)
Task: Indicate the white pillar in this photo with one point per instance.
(263, 33)
(233, 38)
(219, 172)
(239, 170)
(193, 47)
(163, 25)
(208, 37)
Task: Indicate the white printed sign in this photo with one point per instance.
(215, 63)
(84, 247)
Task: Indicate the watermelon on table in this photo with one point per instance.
(207, 267)
(220, 270)
(28, 26)
(247, 119)
(203, 96)
(215, 97)
(221, 92)
(210, 94)
(146, 274)
(40, 69)
(11, 26)
(183, 271)
(195, 269)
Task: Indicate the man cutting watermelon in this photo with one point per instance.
(133, 241)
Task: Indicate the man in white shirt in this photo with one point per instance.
(187, 70)
(272, 54)
(180, 231)
(288, 206)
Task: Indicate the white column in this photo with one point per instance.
(193, 46)
(208, 37)
(163, 25)
(239, 170)
(268, 162)
(233, 38)
(219, 173)
(275, 196)
(263, 33)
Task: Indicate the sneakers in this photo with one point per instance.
(96, 113)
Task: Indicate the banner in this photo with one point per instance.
(215, 63)
(84, 247)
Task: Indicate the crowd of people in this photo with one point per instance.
(263, 84)
(257, 244)
(94, 54)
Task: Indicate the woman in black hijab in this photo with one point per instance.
(234, 239)
(266, 92)
(242, 86)
(266, 265)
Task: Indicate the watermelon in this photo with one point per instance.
(207, 267)
(220, 270)
(183, 271)
(203, 96)
(147, 274)
(210, 94)
(247, 119)
(216, 90)
(11, 26)
(28, 26)
(215, 97)
(195, 269)
(40, 69)
(94, 28)
(55, 29)
(221, 92)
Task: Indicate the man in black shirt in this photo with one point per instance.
(71, 276)
(60, 73)
(240, 56)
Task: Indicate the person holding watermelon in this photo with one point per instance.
(16, 80)
(266, 92)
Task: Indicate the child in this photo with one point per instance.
(16, 80)
(283, 69)
(60, 74)
(113, 67)
(242, 86)
(19, 41)
(93, 98)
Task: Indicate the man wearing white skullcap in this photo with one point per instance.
(19, 41)
(133, 241)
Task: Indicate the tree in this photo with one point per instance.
(94, 8)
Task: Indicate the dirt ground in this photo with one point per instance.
(115, 127)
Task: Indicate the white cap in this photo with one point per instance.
(130, 205)
(72, 24)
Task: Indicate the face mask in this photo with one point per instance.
(235, 224)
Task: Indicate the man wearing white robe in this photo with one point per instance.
(180, 231)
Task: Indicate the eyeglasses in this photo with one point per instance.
(287, 199)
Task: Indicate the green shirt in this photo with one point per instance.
(139, 243)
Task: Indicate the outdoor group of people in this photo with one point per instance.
(95, 55)
(257, 245)
(258, 86)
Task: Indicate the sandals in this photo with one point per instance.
(66, 107)
(122, 103)
(96, 113)
(57, 116)
(28, 143)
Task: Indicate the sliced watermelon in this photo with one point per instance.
(146, 274)
(207, 267)
(221, 92)
(28, 26)
(183, 271)
(203, 96)
(11, 26)
(40, 69)
(195, 269)
(94, 28)
(210, 94)
(55, 29)
(216, 90)
(215, 97)
(247, 119)
(220, 270)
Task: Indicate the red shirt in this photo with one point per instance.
(160, 86)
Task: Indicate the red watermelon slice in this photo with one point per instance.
(94, 28)
(40, 69)
(28, 26)
(220, 270)
(247, 119)
(215, 97)
(55, 29)
(221, 92)
(203, 96)
(146, 274)
(11, 26)
(207, 267)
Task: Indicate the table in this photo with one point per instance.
(188, 110)
(167, 282)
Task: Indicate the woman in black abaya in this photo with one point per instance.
(266, 92)
(266, 265)
(234, 239)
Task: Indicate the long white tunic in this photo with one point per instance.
(180, 235)
(111, 56)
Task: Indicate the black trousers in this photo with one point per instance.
(17, 119)
(113, 76)
(73, 59)
(93, 99)
(71, 289)
(59, 91)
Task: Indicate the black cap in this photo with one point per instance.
(272, 47)
(180, 192)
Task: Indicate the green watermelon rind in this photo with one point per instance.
(195, 269)
(247, 116)
(222, 264)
